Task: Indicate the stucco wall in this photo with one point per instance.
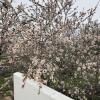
(31, 89)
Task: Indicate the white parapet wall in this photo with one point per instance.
(31, 90)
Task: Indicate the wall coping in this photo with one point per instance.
(45, 90)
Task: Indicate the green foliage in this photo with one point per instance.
(2, 81)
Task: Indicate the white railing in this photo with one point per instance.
(31, 89)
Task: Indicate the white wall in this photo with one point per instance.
(30, 91)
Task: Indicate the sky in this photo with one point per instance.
(86, 4)
(82, 4)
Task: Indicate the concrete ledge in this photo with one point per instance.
(30, 91)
